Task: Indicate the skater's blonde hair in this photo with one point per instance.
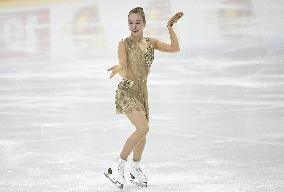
(140, 11)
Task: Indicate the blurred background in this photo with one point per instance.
(216, 107)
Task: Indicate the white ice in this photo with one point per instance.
(216, 107)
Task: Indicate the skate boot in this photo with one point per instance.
(137, 176)
(116, 173)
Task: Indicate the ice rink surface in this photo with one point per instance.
(216, 107)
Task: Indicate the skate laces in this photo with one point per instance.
(138, 169)
(121, 170)
(121, 166)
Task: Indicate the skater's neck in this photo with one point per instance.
(136, 38)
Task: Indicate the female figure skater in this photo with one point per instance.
(136, 54)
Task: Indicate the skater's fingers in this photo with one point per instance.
(180, 15)
(111, 68)
(175, 18)
(112, 74)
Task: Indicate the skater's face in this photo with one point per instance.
(136, 24)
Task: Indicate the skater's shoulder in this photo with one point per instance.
(123, 43)
(152, 40)
(127, 43)
(125, 39)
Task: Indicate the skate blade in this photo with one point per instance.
(119, 185)
(138, 183)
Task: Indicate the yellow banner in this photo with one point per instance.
(12, 3)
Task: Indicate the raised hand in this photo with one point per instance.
(114, 70)
(174, 18)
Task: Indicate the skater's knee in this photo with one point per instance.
(144, 130)
(147, 129)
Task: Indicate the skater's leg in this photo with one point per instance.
(138, 119)
(138, 149)
(136, 173)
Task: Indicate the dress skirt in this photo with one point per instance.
(126, 100)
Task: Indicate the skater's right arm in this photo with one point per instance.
(122, 58)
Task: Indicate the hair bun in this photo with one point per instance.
(138, 10)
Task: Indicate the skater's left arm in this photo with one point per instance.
(174, 46)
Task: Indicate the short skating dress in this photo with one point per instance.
(131, 93)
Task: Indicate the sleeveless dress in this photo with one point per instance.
(131, 93)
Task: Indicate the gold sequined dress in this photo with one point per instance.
(131, 93)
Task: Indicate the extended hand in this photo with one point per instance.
(174, 18)
(114, 70)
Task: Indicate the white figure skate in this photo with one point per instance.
(137, 176)
(116, 173)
